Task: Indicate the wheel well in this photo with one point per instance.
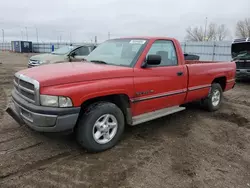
(222, 81)
(121, 100)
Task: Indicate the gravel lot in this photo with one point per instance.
(190, 149)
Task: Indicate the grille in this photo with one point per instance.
(33, 63)
(242, 65)
(25, 89)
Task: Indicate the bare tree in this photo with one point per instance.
(195, 34)
(222, 32)
(213, 33)
(243, 28)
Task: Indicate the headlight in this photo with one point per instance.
(55, 101)
(44, 62)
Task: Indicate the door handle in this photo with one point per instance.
(179, 73)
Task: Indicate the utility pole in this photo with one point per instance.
(70, 38)
(3, 35)
(22, 34)
(36, 35)
(95, 40)
(60, 38)
(108, 35)
(205, 34)
(26, 33)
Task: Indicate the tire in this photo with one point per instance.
(87, 127)
(213, 101)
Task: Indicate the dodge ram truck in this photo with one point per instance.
(124, 81)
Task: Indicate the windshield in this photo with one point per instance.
(241, 50)
(121, 52)
(63, 50)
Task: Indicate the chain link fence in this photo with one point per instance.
(210, 51)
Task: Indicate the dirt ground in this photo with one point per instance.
(190, 149)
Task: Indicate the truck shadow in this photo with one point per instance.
(243, 81)
(174, 125)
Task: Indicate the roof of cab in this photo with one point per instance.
(146, 37)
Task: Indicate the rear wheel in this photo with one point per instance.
(101, 127)
(214, 99)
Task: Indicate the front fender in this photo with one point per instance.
(82, 91)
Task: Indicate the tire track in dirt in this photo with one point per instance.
(40, 164)
(110, 169)
(185, 162)
(3, 102)
(29, 152)
(232, 117)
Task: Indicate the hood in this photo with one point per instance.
(47, 57)
(63, 73)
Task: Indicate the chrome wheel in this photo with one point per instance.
(216, 97)
(105, 128)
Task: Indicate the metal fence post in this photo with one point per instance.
(214, 46)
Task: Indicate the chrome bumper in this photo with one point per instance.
(243, 73)
(42, 119)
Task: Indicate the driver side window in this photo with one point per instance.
(166, 49)
(84, 50)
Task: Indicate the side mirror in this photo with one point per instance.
(73, 54)
(152, 60)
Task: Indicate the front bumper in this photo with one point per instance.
(243, 73)
(32, 65)
(40, 118)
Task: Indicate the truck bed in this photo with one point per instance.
(203, 73)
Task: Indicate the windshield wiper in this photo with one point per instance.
(99, 61)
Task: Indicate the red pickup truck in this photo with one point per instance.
(125, 81)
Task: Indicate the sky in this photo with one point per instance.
(82, 20)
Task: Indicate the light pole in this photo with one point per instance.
(108, 35)
(36, 35)
(3, 35)
(22, 34)
(205, 33)
(26, 33)
(70, 38)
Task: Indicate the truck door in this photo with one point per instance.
(160, 86)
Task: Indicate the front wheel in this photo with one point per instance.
(214, 99)
(101, 127)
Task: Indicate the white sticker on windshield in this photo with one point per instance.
(137, 41)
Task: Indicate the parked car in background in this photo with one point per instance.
(66, 53)
(126, 81)
(240, 51)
